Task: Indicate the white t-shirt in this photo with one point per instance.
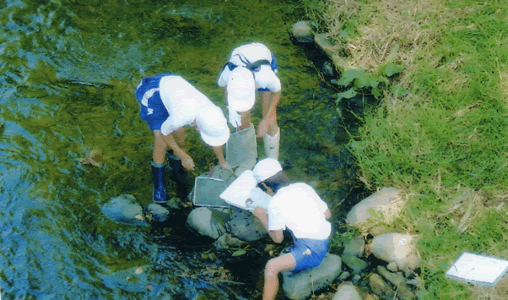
(182, 101)
(252, 52)
(299, 208)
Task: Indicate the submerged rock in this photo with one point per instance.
(124, 209)
(302, 284)
(158, 212)
(210, 222)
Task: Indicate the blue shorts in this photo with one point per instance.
(273, 65)
(308, 253)
(152, 110)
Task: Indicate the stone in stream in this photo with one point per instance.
(302, 284)
(210, 222)
(302, 32)
(124, 209)
(355, 247)
(380, 287)
(214, 222)
(356, 264)
(346, 291)
(158, 212)
(245, 226)
(398, 280)
(398, 248)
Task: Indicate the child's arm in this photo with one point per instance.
(276, 235)
(187, 161)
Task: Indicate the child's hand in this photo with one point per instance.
(269, 191)
(187, 162)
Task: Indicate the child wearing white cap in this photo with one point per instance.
(299, 208)
(168, 103)
(253, 67)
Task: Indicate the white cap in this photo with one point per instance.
(241, 89)
(212, 125)
(266, 168)
(266, 79)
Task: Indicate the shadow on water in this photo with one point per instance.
(68, 71)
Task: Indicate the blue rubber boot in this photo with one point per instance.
(178, 174)
(159, 183)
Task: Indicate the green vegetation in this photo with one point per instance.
(440, 132)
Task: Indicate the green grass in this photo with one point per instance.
(444, 143)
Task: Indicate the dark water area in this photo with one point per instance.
(68, 72)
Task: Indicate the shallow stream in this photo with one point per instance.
(68, 72)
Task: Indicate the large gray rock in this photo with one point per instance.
(346, 291)
(245, 226)
(124, 209)
(382, 206)
(302, 284)
(210, 222)
(398, 248)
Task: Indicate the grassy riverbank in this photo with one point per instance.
(443, 141)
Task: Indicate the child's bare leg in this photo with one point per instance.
(267, 99)
(272, 269)
(159, 148)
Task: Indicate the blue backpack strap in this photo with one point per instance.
(274, 64)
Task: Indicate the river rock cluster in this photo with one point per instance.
(382, 263)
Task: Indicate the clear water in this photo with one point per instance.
(68, 69)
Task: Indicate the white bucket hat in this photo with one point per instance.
(265, 78)
(266, 168)
(212, 125)
(241, 89)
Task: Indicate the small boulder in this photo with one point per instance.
(302, 284)
(355, 247)
(382, 206)
(394, 278)
(124, 209)
(346, 291)
(158, 212)
(380, 287)
(398, 248)
(344, 275)
(245, 226)
(356, 264)
(302, 32)
(210, 222)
